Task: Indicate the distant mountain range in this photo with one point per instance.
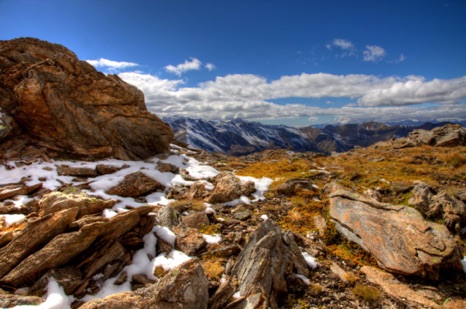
(239, 137)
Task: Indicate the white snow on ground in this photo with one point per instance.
(304, 278)
(10, 219)
(310, 260)
(212, 239)
(56, 298)
(145, 260)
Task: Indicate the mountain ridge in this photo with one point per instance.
(240, 137)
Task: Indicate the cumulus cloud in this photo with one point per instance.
(250, 96)
(111, 65)
(415, 90)
(193, 64)
(374, 53)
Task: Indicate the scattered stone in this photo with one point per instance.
(397, 236)
(167, 167)
(135, 185)
(197, 190)
(65, 170)
(227, 188)
(342, 274)
(142, 279)
(104, 169)
(184, 287)
(293, 186)
(393, 287)
(196, 220)
(72, 197)
(189, 241)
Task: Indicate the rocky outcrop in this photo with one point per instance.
(185, 287)
(439, 205)
(397, 236)
(54, 241)
(450, 135)
(270, 258)
(55, 101)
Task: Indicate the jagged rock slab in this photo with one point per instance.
(68, 106)
(395, 288)
(397, 236)
(33, 237)
(56, 253)
(9, 191)
(185, 287)
(269, 258)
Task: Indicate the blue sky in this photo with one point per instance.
(292, 62)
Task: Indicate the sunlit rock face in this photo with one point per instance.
(66, 105)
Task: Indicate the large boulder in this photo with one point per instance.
(397, 236)
(450, 135)
(267, 263)
(66, 105)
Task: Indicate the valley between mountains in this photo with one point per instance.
(101, 207)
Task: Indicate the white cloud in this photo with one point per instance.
(343, 44)
(374, 53)
(188, 65)
(249, 96)
(401, 58)
(111, 65)
(210, 66)
(347, 47)
(415, 90)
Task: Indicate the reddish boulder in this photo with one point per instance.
(66, 105)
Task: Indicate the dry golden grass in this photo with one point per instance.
(194, 204)
(366, 292)
(213, 267)
(279, 170)
(210, 229)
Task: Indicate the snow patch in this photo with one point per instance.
(212, 239)
(10, 219)
(310, 260)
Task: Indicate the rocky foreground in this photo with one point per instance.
(172, 232)
(100, 208)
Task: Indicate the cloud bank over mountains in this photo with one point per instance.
(252, 97)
